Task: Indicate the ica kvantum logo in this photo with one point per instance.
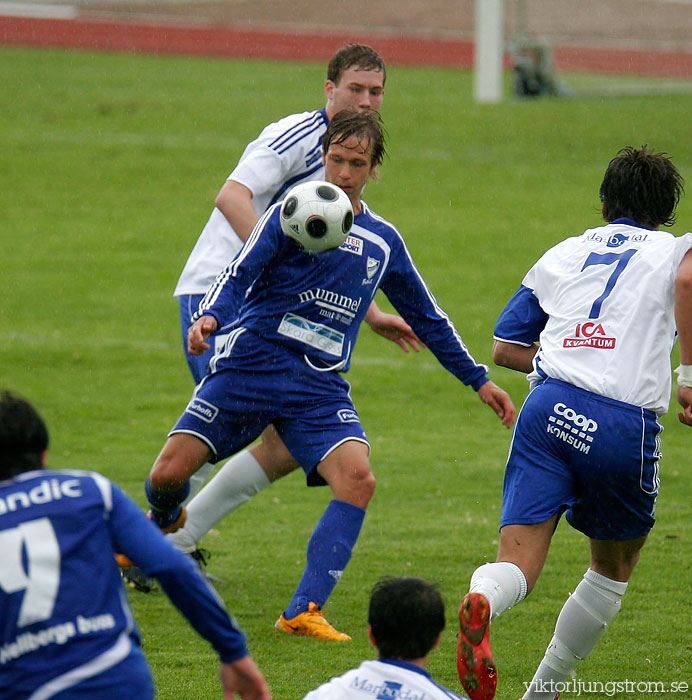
(590, 335)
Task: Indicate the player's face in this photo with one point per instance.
(362, 89)
(349, 165)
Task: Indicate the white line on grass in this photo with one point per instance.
(185, 142)
(59, 341)
(125, 138)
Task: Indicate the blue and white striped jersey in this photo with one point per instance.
(285, 153)
(386, 678)
(314, 304)
(65, 617)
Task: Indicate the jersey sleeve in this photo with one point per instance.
(261, 169)
(285, 149)
(522, 319)
(226, 295)
(405, 288)
(134, 535)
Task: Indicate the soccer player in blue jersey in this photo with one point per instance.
(406, 618)
(67, 630)
(593, 325)
(296, 320)
(285, 153)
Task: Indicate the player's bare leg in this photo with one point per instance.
(273, 456)
(347, 471)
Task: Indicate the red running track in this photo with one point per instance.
(233, 41)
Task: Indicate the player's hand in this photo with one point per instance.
(198, 333)
(244, 678)
(498, 399)
(394, 328)
(684, 396)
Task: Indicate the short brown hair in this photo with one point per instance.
(364, 124)
(357, 56)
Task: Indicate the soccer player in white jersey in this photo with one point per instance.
(273, 371)
(67, 629)
(593, 325)
(406, 618)
(285, 153)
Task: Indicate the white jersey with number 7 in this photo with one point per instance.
(602, 307)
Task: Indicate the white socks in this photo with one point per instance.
(197, 480)
(234, 484)
(581, 624)
(502, 583)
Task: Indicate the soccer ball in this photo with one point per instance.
(318, 215)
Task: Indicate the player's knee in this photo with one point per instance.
(368, 484)
(180, 458)
(167, 474)
(361, 481)
(160, 475)
(618, 562)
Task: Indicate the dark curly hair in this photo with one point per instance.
(643, 186)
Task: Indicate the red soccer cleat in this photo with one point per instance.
(474, 658)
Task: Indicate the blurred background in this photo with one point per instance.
(643, 37)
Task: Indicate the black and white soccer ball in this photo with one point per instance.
(318, 215)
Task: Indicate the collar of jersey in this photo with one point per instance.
(407, 665)
(629, 222)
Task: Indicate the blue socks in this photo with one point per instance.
(329, 551)
(166, 505)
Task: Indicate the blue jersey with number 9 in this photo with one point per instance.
(67, 629)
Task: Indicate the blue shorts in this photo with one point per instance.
(256, 383)
(594, 457)
(198, 364)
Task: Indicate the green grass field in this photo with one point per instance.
(109, 167)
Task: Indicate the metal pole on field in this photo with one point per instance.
(489, 51)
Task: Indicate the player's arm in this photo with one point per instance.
(198, 333)
(514, 356)
(393, 328)
(243, 677)
(266, 166)
(225, 297)
(683, 320)
(517, 330)
(499, 400)
(134, 535)
(235, 202)
(409, 294)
